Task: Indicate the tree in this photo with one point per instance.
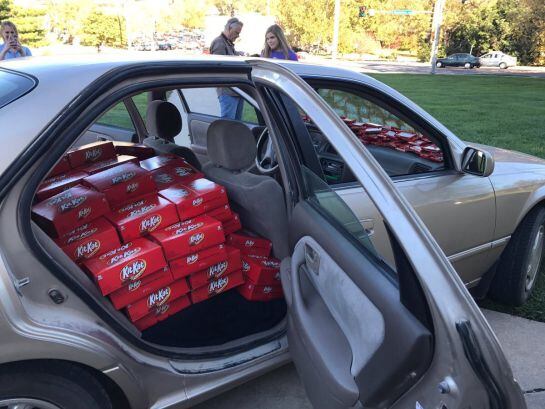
(66, 17)
(103, 29)
(30, 25)
(5, 9)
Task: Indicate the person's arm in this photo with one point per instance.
(4, 52)
(217, 47)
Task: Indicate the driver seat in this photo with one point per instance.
(258, 199)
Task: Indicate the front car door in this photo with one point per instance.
(458, 209)
(362, 334)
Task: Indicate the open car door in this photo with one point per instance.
(361, 334)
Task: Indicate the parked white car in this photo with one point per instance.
(498, 59)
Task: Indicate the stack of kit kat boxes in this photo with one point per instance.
(151, 232)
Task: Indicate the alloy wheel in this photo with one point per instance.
(26, 403)
(535, 258)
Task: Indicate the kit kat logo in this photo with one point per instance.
(93, 154)
(158, 298)
(150, 223)
(183, 171)
(196, 239)
(83, 213)
(133, 270)
(82, 235)
(198, 201)
(245, 266)
(163, 178)
(267, 290)
(72, 204)
(87, 250)
(132, 187)
(218, 286)
(192, 258)
(133, 286)
(218, 269)
(249, 243)
(60, 198)
(124, 177)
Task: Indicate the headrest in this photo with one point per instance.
(163, 120)
(230, 144)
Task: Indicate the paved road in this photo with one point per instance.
(521, 339)
(424, 68)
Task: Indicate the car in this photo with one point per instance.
(458, 60)
(497, 59)
(361, 332)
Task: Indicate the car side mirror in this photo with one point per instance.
(477, 162)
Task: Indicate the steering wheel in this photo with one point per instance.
(265, 158)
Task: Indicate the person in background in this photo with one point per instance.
(11, 48)
(224, 44)
(276, 45)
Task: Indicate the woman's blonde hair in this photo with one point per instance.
(4, 24)
(282, 42)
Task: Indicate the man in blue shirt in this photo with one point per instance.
(11, 48)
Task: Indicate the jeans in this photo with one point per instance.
(230, 106)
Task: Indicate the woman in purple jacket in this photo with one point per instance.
(276, 45)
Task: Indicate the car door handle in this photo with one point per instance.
(312, 259)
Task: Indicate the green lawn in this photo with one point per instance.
(508, 112)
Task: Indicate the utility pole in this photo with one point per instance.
(436, 26)
(336, 28)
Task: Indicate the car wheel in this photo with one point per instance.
(521, 261)
(438, 64)
(61, 386)
(467, 65)
(503, 66)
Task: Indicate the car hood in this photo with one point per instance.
(507, 161)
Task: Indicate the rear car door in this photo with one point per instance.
(362, 334)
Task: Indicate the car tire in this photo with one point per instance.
(467, 66)
(438, 64)
(54, 386)
(503, 66)
(521, 261)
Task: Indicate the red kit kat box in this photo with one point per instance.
(162, 312)
(89, 239)
(261, 270)
(122, 183)
(227, 266)
(190, 202)
(189, 236)
(253, 292)
(173, 175)
(186, 265)
(232, 225)
(62, 166)
(250, 244)
(108, 164)
(59, 183)
(156, 299)
(140, 288)
(129, 262)
(61, 213)
(140, 151)
(162, 161)
(91, 153)
(222, 213)
(142, 216)
(218, 286)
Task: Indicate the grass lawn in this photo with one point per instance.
(508, 112)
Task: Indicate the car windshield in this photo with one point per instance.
(13, 86)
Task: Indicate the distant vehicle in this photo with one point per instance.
(459, 60)
(164, 45)
(498, 59)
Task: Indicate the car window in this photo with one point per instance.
(118, 117)
(487, 56)
(12, 86)
(396, 145)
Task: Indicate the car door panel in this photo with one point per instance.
(344, 303)
(198, 129)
